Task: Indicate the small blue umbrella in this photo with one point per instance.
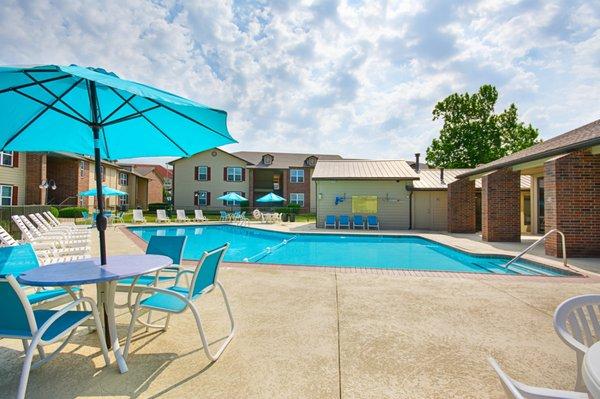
(106, 191)
(232, 197)
(271, 197)
(93, 112)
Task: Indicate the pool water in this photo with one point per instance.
(339, 250)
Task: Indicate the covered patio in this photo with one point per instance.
(565, 192)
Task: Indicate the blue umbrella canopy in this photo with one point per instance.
(106, 191)
(94, 112)
(271, 197)
(232, 197)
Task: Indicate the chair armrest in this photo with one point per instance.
(44, 327)
(182, 272)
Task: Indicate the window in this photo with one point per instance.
(82, 201)
(83, 167)
(202, 198)
(297, 198)
(123, 179)
(234, 174)
(267, 159)
(202, 173)
(6, 193)
(6, 158)
(123, 200)
(233, 203)
(296, 175)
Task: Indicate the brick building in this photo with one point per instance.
(565, 193)
(159, 180)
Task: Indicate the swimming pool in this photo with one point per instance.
(339, 250)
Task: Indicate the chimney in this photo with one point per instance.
(417, 156)
(442, 175)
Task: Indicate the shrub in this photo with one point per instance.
(293, 208)
(72, 212)
(157, 205)
(54, 211)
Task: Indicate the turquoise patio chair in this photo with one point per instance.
(37, 328)
(358, 222)
(177, 299)
(224, 216)
(85, 216)
(18, 259)
(344, 222)
(372, 222)
(330, 221)
(171, 246)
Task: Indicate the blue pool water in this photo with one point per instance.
(339, 250)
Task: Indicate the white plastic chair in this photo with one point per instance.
(37, 328)
(161, 216)
(517, 390)
(576, 322)
(177, 299)
(138, 216)
(199, 216)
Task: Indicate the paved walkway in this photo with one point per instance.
(329, 334)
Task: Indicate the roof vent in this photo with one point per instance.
(442, 175)
(417, 156)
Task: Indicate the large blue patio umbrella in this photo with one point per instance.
(106, 191)
(271, 197)
(93, 112)
(232, 197)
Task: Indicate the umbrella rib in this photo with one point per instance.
(52, 107)
(130, 116)
(188, 117)
(26, 85)
(118, 108)
(42, 112)
(55, 96)
(153, 124)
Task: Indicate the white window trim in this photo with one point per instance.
(121, 180)
(233, 169)
(205, 173)
(7, 153)
(296, 178)
(294, 199)
(2, 197)
(205, 198)
(123, 200)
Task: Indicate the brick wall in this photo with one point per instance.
(36, 172)
(501, 206)
(572, 204)
(65, 172)
(155, 188)
(461, 206)
(303, 188)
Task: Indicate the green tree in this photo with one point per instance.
(473, 134)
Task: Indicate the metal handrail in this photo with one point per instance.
(564, 248)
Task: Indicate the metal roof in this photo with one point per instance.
(430, 179)
(281, 160)
(582, 137)
(363, 170)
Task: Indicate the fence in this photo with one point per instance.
(7, 211)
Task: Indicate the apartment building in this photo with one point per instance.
(200, 179)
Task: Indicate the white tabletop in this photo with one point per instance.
(591, 370)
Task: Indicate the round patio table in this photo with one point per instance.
(105, 277)
(591, 370)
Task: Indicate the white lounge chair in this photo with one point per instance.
(576, 322)
(37, 328)
(517, 390)
(33, 235)
(49, 232)
(138, 216)
(161, 216)
(199, 216)
(44, 226)
(55, 222)
(181, 216)
(177, 299)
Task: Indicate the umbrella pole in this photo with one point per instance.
(100, 219)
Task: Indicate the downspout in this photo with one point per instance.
(409, 188)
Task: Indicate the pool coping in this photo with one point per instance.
(579, 274)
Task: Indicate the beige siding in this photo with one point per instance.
(430, 210)
(392, 204)
(186, 185)
(16, 177)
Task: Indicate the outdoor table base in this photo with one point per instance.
(105, 277)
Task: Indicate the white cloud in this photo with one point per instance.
(354, 77)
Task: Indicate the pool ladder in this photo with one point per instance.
(268, 250)
(535, 244)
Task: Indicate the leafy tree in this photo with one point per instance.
(473, 134)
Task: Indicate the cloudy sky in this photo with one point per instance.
(358, 78)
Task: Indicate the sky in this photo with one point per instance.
(355, 78)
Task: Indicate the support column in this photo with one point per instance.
(572, 204)
(501, 206)
(250, 173)
(36, 169)
(461, 206)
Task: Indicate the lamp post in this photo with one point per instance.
(47, 184)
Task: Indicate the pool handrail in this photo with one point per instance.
(543, 238)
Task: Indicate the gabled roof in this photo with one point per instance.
(430, 179)
(582, 137)
(160, 170)
(281, 160)
(363, 170)
(232, 154)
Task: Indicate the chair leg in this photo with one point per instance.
(26, 369)
(580, 384)
(130, 329)
(100, 332)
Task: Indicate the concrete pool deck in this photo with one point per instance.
(328, 333)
